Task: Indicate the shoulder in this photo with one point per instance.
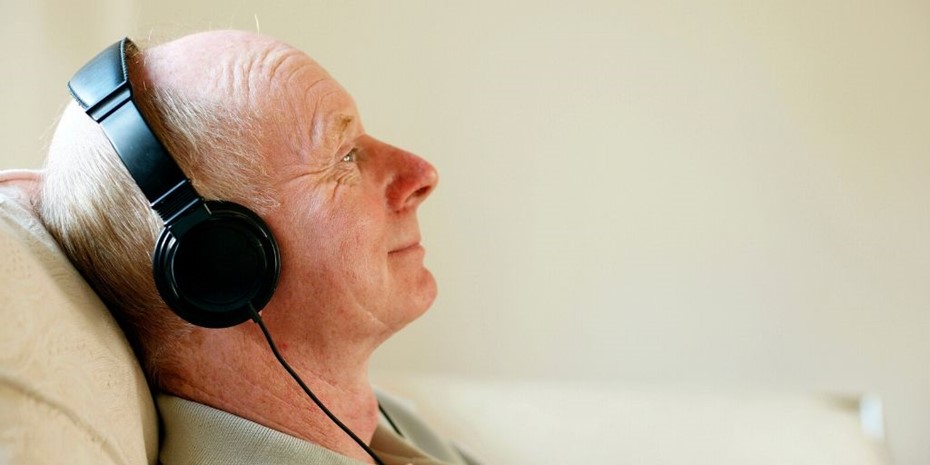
(400, 415)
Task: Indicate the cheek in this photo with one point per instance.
(350, 251)
(352, 225)
(343, 246)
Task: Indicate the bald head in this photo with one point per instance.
(255, 86)
(225, 67)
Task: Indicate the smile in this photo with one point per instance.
(415, 247)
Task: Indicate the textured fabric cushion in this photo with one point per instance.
(71, 390)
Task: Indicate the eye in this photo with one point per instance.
(351, 156)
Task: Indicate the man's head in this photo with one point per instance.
(256, 122)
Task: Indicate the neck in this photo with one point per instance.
(248, 381)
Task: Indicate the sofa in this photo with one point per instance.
(72, 392)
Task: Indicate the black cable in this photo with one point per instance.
(390, 420)
(258, 319)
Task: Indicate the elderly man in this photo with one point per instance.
(253, 121)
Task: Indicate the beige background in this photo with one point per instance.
(699, 193)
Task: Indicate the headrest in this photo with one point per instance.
(71, 390)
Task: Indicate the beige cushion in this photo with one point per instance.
(71, 390)
(570, 422)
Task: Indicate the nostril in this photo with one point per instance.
(410, 179)
(400, 200)
(423, 191)
(406, 193)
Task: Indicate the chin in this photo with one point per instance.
(429, 292)
(417, 301)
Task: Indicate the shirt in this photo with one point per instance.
(194, 433)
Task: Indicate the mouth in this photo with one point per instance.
(410, 247)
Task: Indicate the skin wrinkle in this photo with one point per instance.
(368, 309)
(210, 398)
(320, 133)
(280, 60)
(320, 171)
(261, 385)
(244, 80)
(317, 122)
(299, 144)
(288, 76)
(246, 73)
(263, 68)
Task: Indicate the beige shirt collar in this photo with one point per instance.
(196, 433)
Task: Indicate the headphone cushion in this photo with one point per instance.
(215, 269)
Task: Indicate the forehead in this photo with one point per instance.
(306, 106)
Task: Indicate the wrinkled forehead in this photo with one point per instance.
(298, 102)
(227, 65)
(304, 106)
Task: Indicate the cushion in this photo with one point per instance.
(524, 421)
(71, 390)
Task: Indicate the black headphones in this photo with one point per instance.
(214, 262)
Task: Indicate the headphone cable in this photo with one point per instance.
(258, 319)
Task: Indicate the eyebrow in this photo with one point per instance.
(331, 130)
(343, 123)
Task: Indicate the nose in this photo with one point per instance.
(411, 179)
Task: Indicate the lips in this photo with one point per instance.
(409, 247)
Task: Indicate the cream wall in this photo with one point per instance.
(647, 192)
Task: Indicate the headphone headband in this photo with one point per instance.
(103, 90)
(215, 263)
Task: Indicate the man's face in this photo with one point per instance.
(347, 225)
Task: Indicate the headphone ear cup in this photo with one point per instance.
(214, 270)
